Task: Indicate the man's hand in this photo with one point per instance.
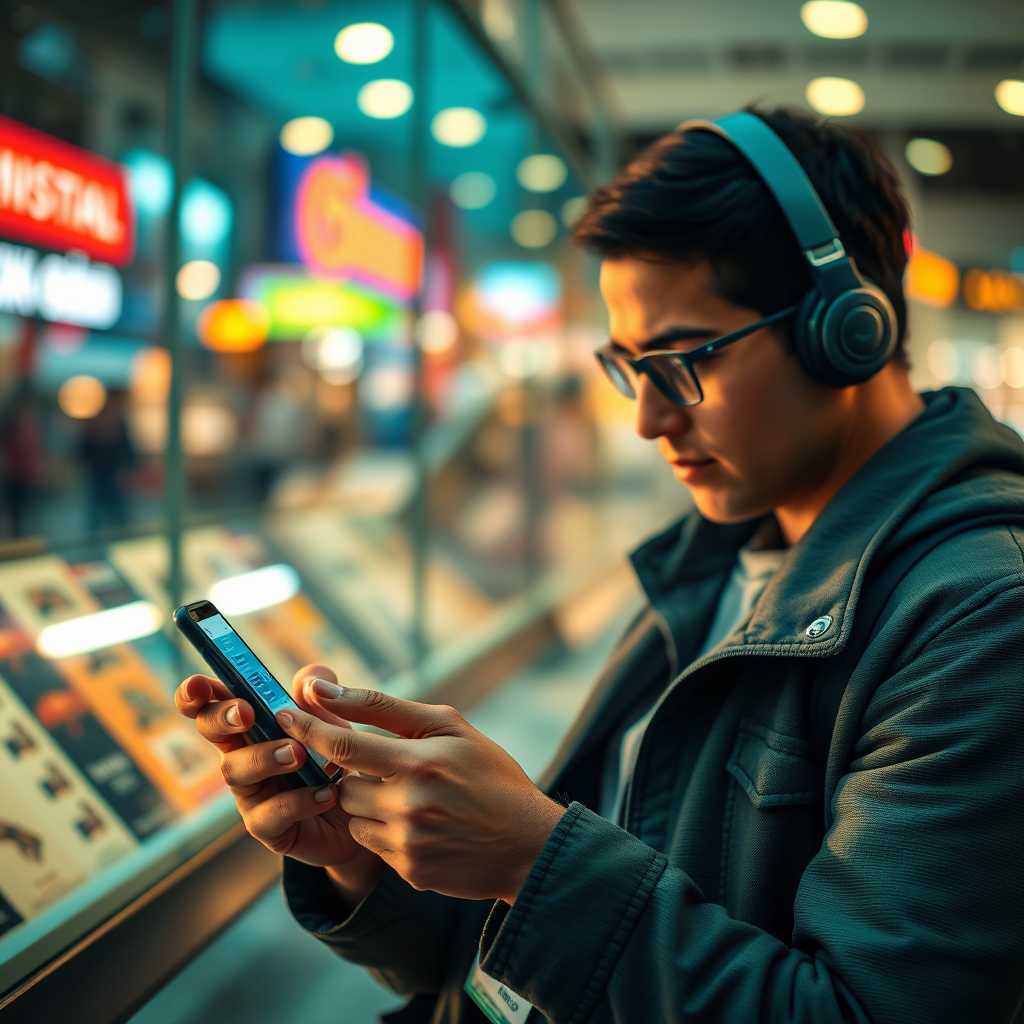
(452, 812)
(293, 822)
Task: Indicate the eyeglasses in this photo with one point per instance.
(671, 371)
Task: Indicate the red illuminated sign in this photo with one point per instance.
(60, 197)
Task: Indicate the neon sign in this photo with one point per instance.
(64, 289)
(296, 303)
(342, 233)
(60, 197)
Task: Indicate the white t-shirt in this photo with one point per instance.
(755, 565)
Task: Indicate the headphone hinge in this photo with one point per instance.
(831, 251)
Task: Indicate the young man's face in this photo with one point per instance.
(775, 434)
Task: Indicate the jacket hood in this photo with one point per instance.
(954, 463)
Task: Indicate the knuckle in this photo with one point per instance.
(414, 841)
(418, 818)
(271, 819)
(282, 807)
(303, 725)
(425, 771)
(341, 746)
(450, 712)
(375, 700)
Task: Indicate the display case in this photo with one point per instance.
(383, 456)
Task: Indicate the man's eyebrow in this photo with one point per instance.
(678, 333)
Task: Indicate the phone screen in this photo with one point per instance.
(255, 673)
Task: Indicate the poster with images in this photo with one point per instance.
(56, 829)
(68, 719)
(118, 688)
(110, 589)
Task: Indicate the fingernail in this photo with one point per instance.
(285, 718)
(194, 690)
(323, 795)
(233, 716)
(284, 755)
(326, 689)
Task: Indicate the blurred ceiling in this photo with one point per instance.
(926, 69)
(925, 64)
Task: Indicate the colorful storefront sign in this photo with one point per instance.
(58, 196)
(993, 291)
(297, 303)
(342, 234)
(62, 289)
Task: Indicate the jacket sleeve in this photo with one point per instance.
(400, 934)
(910, 911)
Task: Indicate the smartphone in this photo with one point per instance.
(238, 668)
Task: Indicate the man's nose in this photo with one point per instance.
(655, 414)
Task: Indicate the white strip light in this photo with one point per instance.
(100, 629)
(251, 591)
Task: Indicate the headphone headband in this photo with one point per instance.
(845, 329)
(800, 204)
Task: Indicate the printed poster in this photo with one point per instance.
(116, 686)
(56, 829)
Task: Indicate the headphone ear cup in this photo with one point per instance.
(806, 330)
(848, 340)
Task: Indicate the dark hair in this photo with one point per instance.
(692, 195)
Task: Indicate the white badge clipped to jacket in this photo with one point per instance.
(498, 1002)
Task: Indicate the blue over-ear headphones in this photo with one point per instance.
(845, 329)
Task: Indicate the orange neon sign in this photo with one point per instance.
(342, 233)
(932, 278)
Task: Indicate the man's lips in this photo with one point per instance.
(681, 461)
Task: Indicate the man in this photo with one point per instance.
(713, 841)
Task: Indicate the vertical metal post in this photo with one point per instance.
(419, 191)
(178, 97)
(531, 452)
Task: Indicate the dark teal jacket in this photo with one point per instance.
(886, 886)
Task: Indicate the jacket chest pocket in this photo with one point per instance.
(771, 827)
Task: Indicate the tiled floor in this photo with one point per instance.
(265, 970)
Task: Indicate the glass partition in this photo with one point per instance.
(321, 363)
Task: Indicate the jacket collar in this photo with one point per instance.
(907, 487)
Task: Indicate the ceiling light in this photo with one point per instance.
(198, 280)
(82, 397)
(363, 43)
(473, 190)
(836, 97)
(384, 98)
(834, 19)
(1010, 96)
(534, 229)
(927, 156)
(943, 360)
(572, 209)
(1013, 366)
(438, 331)
(252, 591)
(542, 172)
(458, 126)
(306, 136)
(92, 632)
